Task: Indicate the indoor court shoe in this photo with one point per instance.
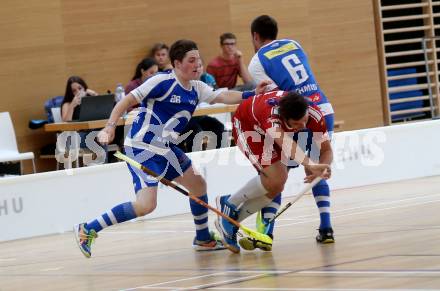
(214, 244)
(251, 244)
(325, 236)
(263, 225)
(84, 238)
(228, 231)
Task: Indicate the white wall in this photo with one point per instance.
(52, 202)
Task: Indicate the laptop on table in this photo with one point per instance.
(96, 107)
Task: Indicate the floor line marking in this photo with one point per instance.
(279, 225)
(289, 289)
(361, 212)
(8, 259)
(367, 206)
(175, 281)
(51, 269)
(224, 282)
(367, 272)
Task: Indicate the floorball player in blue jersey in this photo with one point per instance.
(284, 62)
(167, 102)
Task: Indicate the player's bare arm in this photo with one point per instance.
(235, 97)
(326, 153)
(325, 158)
(107, 134)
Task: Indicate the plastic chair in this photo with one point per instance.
(56, 114)
(8, 143)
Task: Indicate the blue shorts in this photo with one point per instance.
(169, 166)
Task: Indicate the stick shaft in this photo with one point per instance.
(177, 188)
(297, 197)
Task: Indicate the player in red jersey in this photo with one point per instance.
(268, 128)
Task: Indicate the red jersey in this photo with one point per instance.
(260, 113)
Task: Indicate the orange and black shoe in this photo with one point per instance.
(214, 244)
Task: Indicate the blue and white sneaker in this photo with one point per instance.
(228, 231)
(84, 238)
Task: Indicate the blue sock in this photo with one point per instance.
(321, 192)
(200, 214)
(118, 214)
(269, 212)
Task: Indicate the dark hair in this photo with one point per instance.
(292, 106)
(226, 35)
(145, 64)
(68, 95)
(265, 26)
(180, 48)
(157, 47)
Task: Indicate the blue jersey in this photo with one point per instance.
(285, 63)
(166, 107)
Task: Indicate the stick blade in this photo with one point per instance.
(256, 235)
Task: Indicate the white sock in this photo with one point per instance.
(252, 189)
(253, 205)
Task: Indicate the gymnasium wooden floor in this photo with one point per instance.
(387, 238)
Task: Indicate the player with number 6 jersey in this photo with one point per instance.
(285, 63)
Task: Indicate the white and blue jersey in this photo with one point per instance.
(285, 63)
(165, 110)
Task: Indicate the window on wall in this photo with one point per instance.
(409, 45)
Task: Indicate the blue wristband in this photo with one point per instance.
(247, 94)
